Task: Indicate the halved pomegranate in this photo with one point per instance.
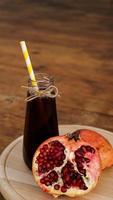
(63, 165)
(99, 142)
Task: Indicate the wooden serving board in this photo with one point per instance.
(17, 183)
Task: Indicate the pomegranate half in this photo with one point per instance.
(63, 165)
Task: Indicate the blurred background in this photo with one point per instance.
(71, 40)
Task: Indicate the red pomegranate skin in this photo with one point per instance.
(64, 165)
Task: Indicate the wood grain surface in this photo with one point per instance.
(71, 40)
(17, 182)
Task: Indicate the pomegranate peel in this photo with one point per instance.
(63, 166)
(99, 142)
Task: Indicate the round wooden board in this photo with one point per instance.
(17, 183)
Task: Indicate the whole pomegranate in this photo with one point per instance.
(99, 142)
(64, 165)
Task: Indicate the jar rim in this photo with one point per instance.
(43, 80)
(44, 76)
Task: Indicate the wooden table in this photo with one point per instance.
(71, 40)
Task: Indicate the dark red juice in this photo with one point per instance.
(40, 124)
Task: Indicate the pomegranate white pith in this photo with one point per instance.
(63, 166)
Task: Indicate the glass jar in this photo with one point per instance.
(41, 118)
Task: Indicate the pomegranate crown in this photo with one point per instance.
(75, 135)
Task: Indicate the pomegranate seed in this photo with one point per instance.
(87, 160)
(53, 143)
(64, 170)
(44, 153)
(42, 150)
(39, 168)
(68, 184)
(48, 165)
(56, 177)
(59, 163)
(53, 174)
(56, 151)
(45, 146)
(46, 178)
(90, 149)
(51, 180)
(42, 181)
(79, 159)
(79, 165)
(57, 143)
(51, 162)
(63, 157)
(59, 158)
(79, 182)
(83, 147)
(51, 150)
(63, 189)
(39, 156)
(80, 151)
(40, 160)
(82, 171)
(62, 148)
(56, 187)
(83, 186)
(45, 161)
(73, 175)
(47, 183)
(56, 161)
(50, 157)
(77, 153)
(78, 176)
(66, 178)
(74, 183)
(45, 158)
(43, 167)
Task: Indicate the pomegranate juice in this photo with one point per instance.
(40, 124)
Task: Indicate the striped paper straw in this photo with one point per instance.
(28, 64)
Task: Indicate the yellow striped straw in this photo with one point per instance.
(28, 64)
